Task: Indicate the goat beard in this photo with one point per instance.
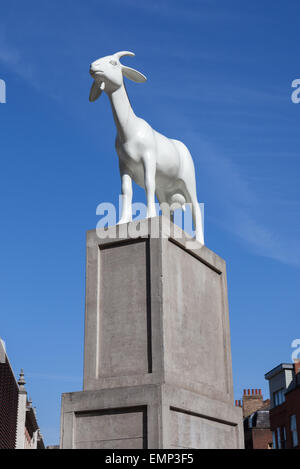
(100, 84)
(96, 90)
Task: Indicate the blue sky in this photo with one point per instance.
(219, 79)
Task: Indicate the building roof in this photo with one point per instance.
(31, 422)
(258, 419)
(278, 369)
(10, 389)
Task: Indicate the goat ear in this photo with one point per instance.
(133, 75)
(95, 92)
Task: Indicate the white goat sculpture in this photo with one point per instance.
(162, 166)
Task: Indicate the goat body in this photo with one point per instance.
(162, 166)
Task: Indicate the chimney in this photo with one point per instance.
(252, 401)
(297, 365)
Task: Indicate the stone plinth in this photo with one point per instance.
(157, 366)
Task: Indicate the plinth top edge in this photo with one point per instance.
(158, 227)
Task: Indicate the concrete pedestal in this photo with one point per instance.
(157, 366)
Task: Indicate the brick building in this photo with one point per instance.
(9, 395)
(18, 424)
(257, 431)
(284, 383)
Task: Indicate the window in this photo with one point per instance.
(294, 431)
(283, 437)
(278, 438)
(278, 397)
(274, 440)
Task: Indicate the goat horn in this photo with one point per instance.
(122, 53)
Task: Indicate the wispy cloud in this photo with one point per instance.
(203, 89)
(8, 55)
(12, 58)
(54, 377)
(239, 210)
(266, 241)
(191, 10)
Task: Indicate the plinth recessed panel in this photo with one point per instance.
(195, 334)
(197, 431)
(111, 429)
(124, 312)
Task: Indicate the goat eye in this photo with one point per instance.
(113, 62)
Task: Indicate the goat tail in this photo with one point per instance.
(178, 199)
